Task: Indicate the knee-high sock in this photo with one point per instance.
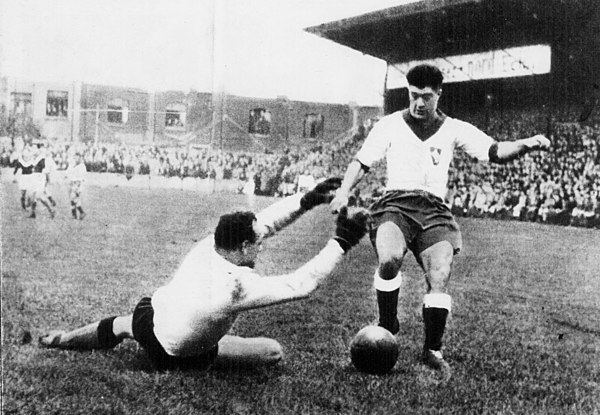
(436, 307)
(387, 301)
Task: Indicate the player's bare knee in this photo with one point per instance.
(389, 269)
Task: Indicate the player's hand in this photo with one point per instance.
(321, 193)
(537, 142)
(339, 201)
(350, 228)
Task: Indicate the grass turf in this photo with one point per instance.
(524, 336)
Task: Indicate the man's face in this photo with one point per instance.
(250, 250)
(423, 102)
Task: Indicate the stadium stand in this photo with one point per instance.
(559, 187)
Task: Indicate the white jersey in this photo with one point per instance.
(76, 173)
(26, 177)
(415, 164)
(200, 304)
(38, 175)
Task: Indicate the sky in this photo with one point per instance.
(249, 48)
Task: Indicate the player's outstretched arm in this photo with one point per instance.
(354, 174)
(264, 291)
(284, 212)
(501, 152)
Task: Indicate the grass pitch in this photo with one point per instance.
(524, 335)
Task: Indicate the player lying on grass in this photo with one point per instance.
(418, 144)
(185, 323)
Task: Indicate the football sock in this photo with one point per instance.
(52, 201)
(97, 335)
(79, 208)
(388, 306)
(436, 308)
(106, 337)
(387, 301)
(23, 201)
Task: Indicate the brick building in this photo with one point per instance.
(87, 112)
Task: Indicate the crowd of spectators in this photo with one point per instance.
(561, 186)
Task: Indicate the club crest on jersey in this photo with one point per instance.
(436, 155)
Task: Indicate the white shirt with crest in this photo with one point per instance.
(415, 164)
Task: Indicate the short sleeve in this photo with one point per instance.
(473, 141)
(375, 145)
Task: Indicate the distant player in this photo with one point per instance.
(75, 174)
(418, 144)
(185, 324)
(38, 185)
(23, 171)
(49, 169)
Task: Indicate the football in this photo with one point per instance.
(374, 350)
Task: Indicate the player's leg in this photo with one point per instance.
(235, 351)
(437, 303)
(41, 197)
(47, 192)
(73, 209)
(391, 247)
(103, 334)
(77, 199)
(24, 200)
(437, 263)
(32, 202)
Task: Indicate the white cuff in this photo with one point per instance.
(387, 285)
(437, 300)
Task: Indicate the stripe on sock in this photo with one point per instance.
(437, 300)
(387, 285)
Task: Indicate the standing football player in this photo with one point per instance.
(418, 144)
(75, 174)
(49, 169)
(38, 183)
(185, 323)
(23, 172)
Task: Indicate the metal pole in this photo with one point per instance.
(97, 124)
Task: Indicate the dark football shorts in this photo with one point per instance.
(423, 218)
(143, 333)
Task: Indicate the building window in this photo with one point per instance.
(21, 104)
(175, 116)
(314, 125)
(118, 111)
(260, 121)
(57, 103)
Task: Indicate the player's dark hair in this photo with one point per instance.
(233, 229)
(425, 75)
